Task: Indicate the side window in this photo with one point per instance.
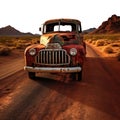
(79, 28)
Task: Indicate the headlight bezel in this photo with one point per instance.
(73, 51)
(32, 51)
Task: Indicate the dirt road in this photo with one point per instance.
(58, 97)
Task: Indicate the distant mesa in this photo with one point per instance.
(89, 30)
(9, 30)
(112, 25)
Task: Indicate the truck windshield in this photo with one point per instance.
(62, 27)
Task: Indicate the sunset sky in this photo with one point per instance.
(28, 15)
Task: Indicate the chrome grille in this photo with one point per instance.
(53, 57)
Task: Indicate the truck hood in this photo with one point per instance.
(61, 38)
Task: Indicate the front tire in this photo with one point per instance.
(31, 75)
(77, 76)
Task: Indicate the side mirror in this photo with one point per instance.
(40, 29)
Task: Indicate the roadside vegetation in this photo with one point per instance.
(106, 43)
(10, 43)
(109, 44)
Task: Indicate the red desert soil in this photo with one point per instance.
(9, 64)
(96, 97)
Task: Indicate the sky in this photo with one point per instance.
(28, 15)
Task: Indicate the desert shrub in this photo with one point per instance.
(89, 41)
(20, 46)
(108, 49)
(9, 44)
(115, 44)
(35, 41)
(4, 51)
(94, 42)
(107, 42)
(100, 43)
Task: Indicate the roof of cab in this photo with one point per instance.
(63, 20)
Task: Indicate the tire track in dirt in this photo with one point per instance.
(9, 69)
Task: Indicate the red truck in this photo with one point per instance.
(61, 49)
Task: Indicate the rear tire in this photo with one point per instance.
(31, 75)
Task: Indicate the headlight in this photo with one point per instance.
(73, 51)
(32, 51)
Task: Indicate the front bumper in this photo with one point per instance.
(53, 70)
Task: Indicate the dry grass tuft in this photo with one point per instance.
(5, 51)
(100, 43)
(115, 44)
(108, 50)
